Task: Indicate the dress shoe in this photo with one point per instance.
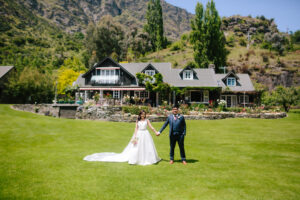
(171, 161)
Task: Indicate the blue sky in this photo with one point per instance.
(285, 12)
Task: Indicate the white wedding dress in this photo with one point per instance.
(142, 153)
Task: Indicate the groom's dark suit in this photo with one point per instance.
(177, 132)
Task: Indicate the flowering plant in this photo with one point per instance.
(222, 104)
(136, 99)
(108, 96)
(126, 98)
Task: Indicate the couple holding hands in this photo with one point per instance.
(141, 149)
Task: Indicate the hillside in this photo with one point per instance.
(264, 66)
(29, 40)
(74, 16)
(42, 34)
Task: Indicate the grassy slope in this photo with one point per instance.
(236, 57)
(43, 44)
(41, 158)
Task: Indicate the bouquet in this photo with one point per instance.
(135, 140)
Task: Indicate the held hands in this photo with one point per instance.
(157, 133)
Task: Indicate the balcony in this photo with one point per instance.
(105, 80)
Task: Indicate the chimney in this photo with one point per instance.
(212, 66)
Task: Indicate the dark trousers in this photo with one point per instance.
(180, 139)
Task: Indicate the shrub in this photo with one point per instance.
(19, 41)
(230, 41)
(242, 42)
(177, 46)
(30, 40)
(184, 109)
(175, 64)
(265, 58)
(198, 107)
(185, 37)
(135, 110)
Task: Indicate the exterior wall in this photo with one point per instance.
(4, 80)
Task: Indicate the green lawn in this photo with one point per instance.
(41, 158)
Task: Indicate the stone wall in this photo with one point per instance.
(42, 109)
(115, 114)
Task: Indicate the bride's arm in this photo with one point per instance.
(149, 124)
(136, 128)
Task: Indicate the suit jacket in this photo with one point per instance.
(170, 121)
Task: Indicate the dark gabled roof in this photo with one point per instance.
(102, 61)
(231, 73)
(206, 77)
(149, 64)
(189, 68)
(172, 76)
(4, 70)
(245, 84)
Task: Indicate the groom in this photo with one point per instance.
(177, 133)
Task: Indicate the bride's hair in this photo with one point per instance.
(141, 112)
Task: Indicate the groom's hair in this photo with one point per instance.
(175, 106)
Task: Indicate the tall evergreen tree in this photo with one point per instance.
(207, 37)
(198, 38)
(105, 39)
(160, 43)
(154, 26)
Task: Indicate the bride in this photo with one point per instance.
(140, 150)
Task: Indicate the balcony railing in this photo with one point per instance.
(105, 80)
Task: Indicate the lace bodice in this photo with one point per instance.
(142, 125)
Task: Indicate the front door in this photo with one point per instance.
(228, 100)
(231, 100)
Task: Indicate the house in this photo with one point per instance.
(5, 71)
(119, 79)
(237, 89)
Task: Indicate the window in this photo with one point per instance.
(196, 96)
(150, 72)
(242, 99)
(116, 94)
(206, 96)
(142, 94)
(231, 82)
(106, 76)
(187, 75)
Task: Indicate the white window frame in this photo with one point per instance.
(233, 100)
(116, 94)
(188, 75)
(206, 96)
(150, 72)
(142, 94)
(232, 81)
(242, 99)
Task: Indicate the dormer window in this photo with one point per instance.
(231, 81)
(150, 72)
(187, 75)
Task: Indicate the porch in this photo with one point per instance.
(238, 99)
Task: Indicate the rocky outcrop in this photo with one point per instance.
(243, 25)
(284, 78)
